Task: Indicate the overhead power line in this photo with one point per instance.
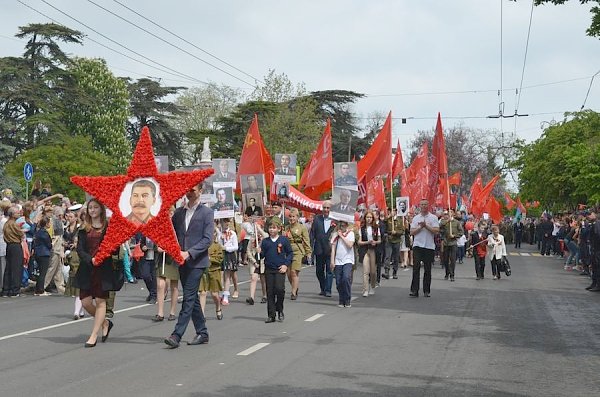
(169, 43)
(180, 74)
(589, 89)
(483, 91)
(186, 41)
(112, 49)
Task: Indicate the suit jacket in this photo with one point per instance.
(198, 237)
(290, 171)
(338, 208)
(219, 177)
(321, 236)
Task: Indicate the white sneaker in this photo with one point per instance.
(348, 305)
(371, 292)
(365, 294)
(495, 278)
(341, 306)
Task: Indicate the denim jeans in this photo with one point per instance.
(190, 307)
(342, 281)
(573, 252)
(324, 274)
(148, 273)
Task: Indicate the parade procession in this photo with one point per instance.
(273, 240)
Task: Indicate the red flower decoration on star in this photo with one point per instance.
(108, 189)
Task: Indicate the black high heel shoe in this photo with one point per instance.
(105, 337)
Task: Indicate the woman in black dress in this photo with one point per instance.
(94, 279)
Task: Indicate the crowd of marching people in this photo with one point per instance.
(47, 240)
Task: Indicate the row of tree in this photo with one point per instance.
(70, 116)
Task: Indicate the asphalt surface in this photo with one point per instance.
(536, 333)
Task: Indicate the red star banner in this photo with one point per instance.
(109, 189)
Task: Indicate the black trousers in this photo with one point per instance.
(148, 273)
(479, 265)
(546, 245)
(11, 283)
(275, 291)
(496, 265)
(43, 263)
(518, 239)
(426, 256)
(449, 259)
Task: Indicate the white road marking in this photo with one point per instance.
(33, 331)
(315, 317)
(72, 322)
(253, 349)
(353, 298)
(525, 254)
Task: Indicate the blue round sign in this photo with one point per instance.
(28, 172)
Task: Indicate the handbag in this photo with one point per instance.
(26, 253)
(506, 266)
(117, 273)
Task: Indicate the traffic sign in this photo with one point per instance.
(28, 172)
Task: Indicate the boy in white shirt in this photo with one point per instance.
(342, 259)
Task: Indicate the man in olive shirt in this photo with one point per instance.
(395, 234)
(451, 230)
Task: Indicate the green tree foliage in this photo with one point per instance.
(345, 129)
(562, 167)
(203, 107)
(35, 88)
(149, 107)
(594, 29)
(102, 109)
(56, 163)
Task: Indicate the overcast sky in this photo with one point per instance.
(398, 52)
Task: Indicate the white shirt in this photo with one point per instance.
(461, 241)
(189, 212)
(343, 254)
(424, 239)
(369, 233)
(326, 223)
(229, 241)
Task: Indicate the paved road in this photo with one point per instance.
(536, 333)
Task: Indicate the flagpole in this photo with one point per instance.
(448, 190)
(392, 200)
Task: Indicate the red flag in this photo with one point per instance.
(453, 200)
(255, 158)
(438, 165)
(415, 184)
(378, 160)
(397, 166)
(476, 188)
(510, 203)
(317, 177)
(521, 206)
(443, 195)
(464, 200)
(455, 179)
(375, 194)
(482, 198)
(493, 209)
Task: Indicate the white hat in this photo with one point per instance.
(75, 207)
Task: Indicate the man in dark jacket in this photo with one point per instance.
(194, 226)
(320, 232)
(546, 234)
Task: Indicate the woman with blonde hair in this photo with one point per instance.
(298, 236)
